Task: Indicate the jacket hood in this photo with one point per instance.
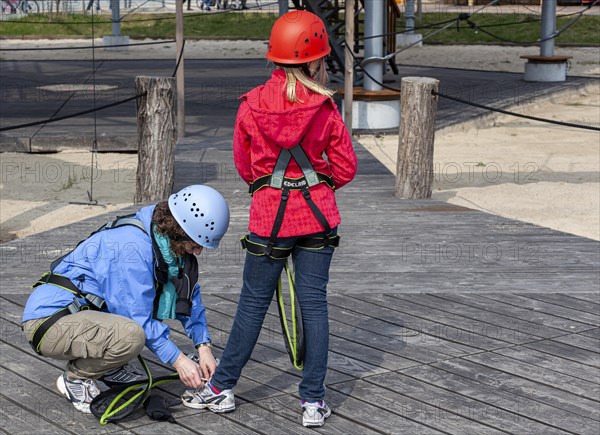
(145, 215)
(281, 122)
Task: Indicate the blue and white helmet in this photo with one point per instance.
(202, 213)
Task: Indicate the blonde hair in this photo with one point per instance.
(296, 74)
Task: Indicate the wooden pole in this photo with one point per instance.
(418, 107)
(157, 135)
(180, 71)
(349, 64)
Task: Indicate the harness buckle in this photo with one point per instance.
(75, 306)
(269, 248)
(285, 193)
(96, 301)
(306, 193)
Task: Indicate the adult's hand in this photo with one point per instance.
(189, 372)
(208, 364)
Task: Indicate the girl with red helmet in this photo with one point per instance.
(282, 132)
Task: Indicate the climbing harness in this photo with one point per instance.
(118, 402)
(93, 302)
(294, 336)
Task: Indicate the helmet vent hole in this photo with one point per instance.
(202, 214)
(185, 199)
(184, 220)
(316, 34)
(191, 209)
(211, 228)
(206, 225)
(306, 40)
(194, 204)
(212, 223)
(196, 215)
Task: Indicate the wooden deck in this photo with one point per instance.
(443, 320)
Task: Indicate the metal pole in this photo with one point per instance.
(349, 64)
(420, 10)
(548, 28)
(410, 16)
(116, 18)
(374, 15)
(283, 7)
(180, 71)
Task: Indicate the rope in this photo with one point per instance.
(519, 115)
(73, 115)
(481, 106)
(179, 59)
(85, 47)
(557, 33)
(64, 103)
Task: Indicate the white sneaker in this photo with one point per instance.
(80, 392)
(205, 398)
(314, 413)
(123, 375)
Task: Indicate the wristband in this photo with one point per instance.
(207, 344)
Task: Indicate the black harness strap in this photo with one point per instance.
(43, 328)
(290, 183)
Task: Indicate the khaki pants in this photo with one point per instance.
(94, 342)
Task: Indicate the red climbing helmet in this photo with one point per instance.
(298, 37)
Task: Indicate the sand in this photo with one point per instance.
(538, 173)
(533, 172)
(37, 191)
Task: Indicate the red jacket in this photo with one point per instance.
(266, 122)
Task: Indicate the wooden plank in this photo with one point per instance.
(16, 418)
(408, 409)
(588, 343)
(289, 408)
(567, 351)
(593, 297)
(375, 417)
(428, 333)
(565, 300)
(393, 334)
(348, 340)
(31, 383)
(449, 404)
(544, 307)
(478, 386)
(552, 362)
(537, 318)
(336, 360)
(470, 332)
(594, 333)
(251, 417)
(521, 389)
(550, 378)
(506, 327)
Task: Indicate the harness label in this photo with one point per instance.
(294, 184)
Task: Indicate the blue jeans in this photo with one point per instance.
(259, 283)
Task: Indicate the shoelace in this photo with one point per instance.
(91, 388)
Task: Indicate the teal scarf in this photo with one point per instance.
(168, 298)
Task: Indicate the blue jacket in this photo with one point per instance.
(118, 266)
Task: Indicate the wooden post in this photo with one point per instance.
(418, 107)
(349, 64)
(157, 136)
(180, 71)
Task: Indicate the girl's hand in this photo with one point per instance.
(189, 372)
